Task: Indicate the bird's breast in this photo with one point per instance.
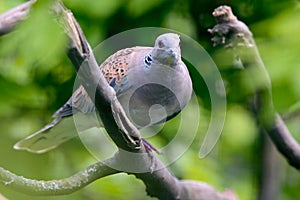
(155, 93)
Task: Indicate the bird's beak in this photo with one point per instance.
(173, 53)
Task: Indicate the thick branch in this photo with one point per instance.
(56, 187)
(235, 35)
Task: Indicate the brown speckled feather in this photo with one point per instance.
(116, 65)
(114, 69)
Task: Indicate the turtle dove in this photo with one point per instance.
(151, 83)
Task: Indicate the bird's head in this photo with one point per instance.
(167, 49)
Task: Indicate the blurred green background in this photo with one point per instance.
(36, 78)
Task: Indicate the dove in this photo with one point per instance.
(152, 84)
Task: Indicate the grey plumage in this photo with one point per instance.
(152, 84)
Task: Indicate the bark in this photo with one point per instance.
(11, 18)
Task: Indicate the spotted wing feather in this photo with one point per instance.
(63, 128)
(114, 69)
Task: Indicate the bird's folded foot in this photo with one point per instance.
(149, 147)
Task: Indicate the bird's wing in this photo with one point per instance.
(78, 111)
(114, 69)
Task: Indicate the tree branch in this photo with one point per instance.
(269, 176)
(234, 35)
(11, 18)
(56, 187)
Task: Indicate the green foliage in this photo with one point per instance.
(36, 78)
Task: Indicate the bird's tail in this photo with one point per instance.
(58, 131)
(53, 134)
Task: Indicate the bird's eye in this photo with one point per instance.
(160, 44)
